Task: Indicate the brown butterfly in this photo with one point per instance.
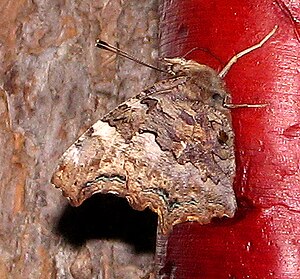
(169, 148)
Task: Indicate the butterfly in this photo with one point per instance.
(169, 148)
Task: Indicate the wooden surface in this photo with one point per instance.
(262, 241)
(53, 85)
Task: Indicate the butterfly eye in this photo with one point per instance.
(217, 97)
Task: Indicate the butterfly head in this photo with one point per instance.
(211, 86)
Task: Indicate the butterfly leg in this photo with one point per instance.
(235, 58)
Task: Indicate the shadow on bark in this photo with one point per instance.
(108, 217)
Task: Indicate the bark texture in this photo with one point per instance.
(53, 85)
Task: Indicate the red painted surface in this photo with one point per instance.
(263, 240)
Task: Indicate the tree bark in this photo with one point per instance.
(54, 85)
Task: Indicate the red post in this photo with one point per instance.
(263, 240)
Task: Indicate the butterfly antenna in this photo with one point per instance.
(207, 51)
(104, 45)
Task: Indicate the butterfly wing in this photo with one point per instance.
(168, 148)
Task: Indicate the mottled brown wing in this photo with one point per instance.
(169, 148)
